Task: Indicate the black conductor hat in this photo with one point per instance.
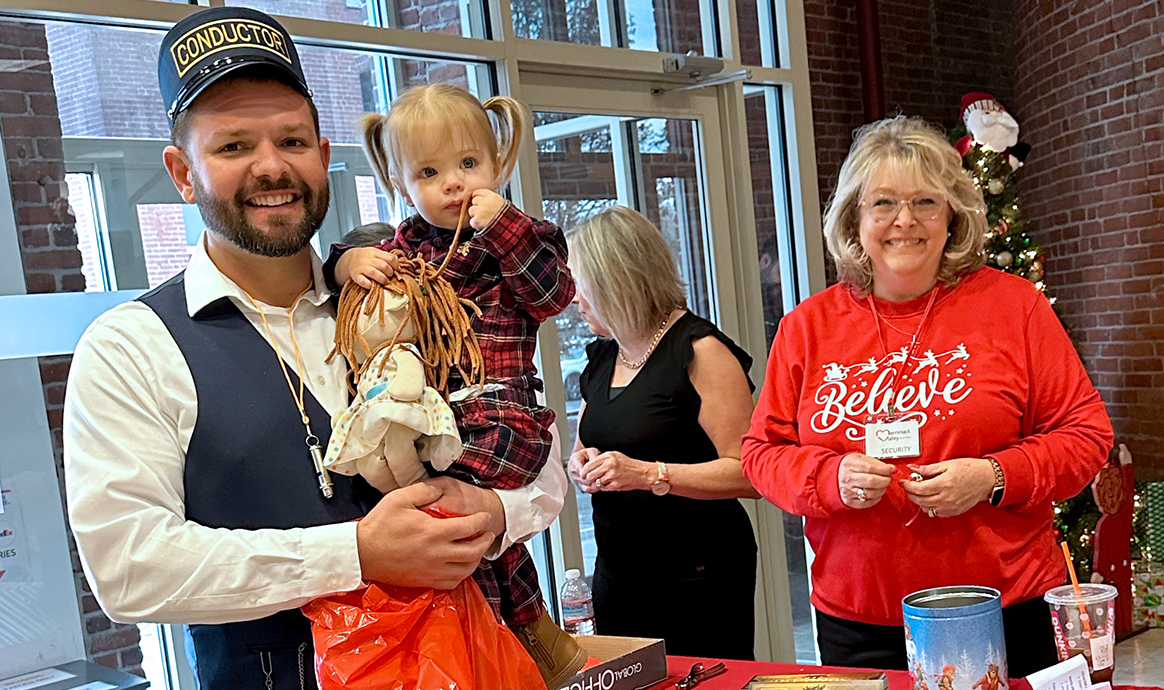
(208, 45)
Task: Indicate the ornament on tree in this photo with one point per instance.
(1004, 259)
(995, 186)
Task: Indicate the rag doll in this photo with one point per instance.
(393, 338)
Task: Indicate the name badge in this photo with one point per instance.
(893, 439)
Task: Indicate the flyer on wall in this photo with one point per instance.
(40, 620)
(13, 546)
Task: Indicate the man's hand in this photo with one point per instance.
(399, 544)
(366, 265)
(484, 207)
(460, 498)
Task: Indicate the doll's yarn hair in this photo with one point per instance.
(444, 333)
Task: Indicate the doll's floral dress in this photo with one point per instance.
(358, 430)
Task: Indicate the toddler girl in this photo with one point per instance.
(435, 147)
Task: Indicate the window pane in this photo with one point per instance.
(574, 21)
(586, 163)
(758, 34)
(163, 240)
(91, 240)
(763, 109)
(657, 25)
(133, 229)
(455, 17)
(672, 198)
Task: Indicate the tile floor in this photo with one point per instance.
(1140, 659)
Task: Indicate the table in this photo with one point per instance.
(740, 672)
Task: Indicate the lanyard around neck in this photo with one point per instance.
(914, 343)
(312, 441)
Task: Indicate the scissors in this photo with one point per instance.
(699, 674)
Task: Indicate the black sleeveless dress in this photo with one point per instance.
(677, 568)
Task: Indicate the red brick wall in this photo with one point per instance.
(1089, 85)
(932, 51)
(52, 263)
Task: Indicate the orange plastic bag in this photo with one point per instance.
(406, 638)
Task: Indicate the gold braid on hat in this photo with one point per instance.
(441, 316)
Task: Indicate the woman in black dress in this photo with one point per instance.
(666, 399)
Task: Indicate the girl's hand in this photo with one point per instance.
(613, 471)
(484, 206)
(575, 468)
(366, 265)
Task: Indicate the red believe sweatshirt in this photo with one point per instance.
(993, 375)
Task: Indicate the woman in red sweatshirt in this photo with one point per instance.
(924, 413)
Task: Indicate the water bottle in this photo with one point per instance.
(577, 604)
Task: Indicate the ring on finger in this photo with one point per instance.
(932, 512)
(861, 495)
(598, 482)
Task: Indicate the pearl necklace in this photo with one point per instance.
(654, 343)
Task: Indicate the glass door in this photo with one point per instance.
(604, 143)
(588, 162)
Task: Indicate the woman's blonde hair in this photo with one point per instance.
(920, 150)
(426, 116)
(629, 269)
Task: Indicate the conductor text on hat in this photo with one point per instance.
(209, 39)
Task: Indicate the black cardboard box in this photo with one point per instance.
(628, 663)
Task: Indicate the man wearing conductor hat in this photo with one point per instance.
(195, 414)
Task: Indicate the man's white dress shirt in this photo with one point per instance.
(130, 410)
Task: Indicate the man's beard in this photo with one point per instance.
(227, 217)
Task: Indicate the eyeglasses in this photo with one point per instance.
(922, 208)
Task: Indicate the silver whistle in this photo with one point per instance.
(321, 471)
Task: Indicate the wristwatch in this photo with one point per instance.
(999, 483)
(662, 485)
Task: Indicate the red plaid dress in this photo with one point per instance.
(515, 271)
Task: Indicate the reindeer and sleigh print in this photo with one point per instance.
(930, 386)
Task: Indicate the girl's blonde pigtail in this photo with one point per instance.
(511, 122)
(371, 127)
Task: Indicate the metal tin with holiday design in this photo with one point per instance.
(954, 638)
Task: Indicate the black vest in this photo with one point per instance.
(248, 467)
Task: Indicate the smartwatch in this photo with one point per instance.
(662, 485)
(999, 483)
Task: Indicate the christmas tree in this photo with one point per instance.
(991, 151)
(993, 154)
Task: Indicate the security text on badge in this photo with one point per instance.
(900, 439)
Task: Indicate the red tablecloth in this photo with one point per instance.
(740, 672)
